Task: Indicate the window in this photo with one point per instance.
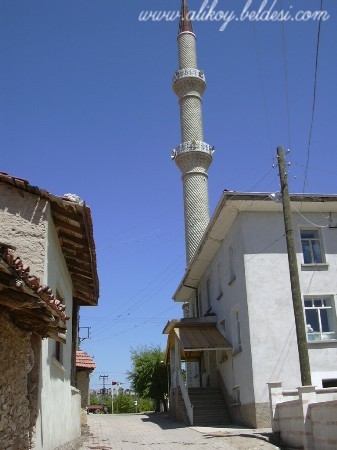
(58, 352)
(231, 264)
(237, 347)
(222, 325)
(320, 318)
(332, 382)
(193, 309)
(218, 269)
(236, 395)
(311, 247)
(208, 287)
(199, 305)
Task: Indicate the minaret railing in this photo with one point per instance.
(192, 146)
(188, 73)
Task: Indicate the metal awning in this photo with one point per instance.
(201, 338)
(194, 336)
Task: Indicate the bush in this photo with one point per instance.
(123, 403)
(145, 404)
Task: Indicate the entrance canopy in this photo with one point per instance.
(194, 335)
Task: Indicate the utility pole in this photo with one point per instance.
(104, 378)
(294, 277)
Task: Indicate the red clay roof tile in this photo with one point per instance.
(23, 272)
(84, 361)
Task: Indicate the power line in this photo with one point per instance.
(132, 328)
(285, 67)
(314, 99)
(263, 89)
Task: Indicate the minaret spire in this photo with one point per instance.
(185, 23)
(193, 156)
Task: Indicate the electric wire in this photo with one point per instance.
(138, 304)
(236, 267)
(285, 71)
(263, 90)
(314, 99)
(132, 328)
(309, 221)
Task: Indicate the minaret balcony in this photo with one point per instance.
(189, 73)
(192, 146)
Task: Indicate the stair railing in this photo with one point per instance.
(186, 398)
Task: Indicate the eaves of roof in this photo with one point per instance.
(225, 214)
(30, 305)
(84, 361)
(73, 223)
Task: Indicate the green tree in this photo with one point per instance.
(124, 403)
(149, 375)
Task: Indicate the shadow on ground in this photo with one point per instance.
(166, 423)
(266, 437)
(163, 421)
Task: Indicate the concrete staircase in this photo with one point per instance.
(209, 407)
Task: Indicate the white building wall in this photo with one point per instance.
(261, 294)
(56, 425)
(272, 325)
(236, 370)
(273, 336)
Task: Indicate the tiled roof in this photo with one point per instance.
(84, 361)
(72, 219)
(33, 305)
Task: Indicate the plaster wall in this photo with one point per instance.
(226, 298)
(56, 425)
(261, 294)
(272, 325)
(23, 225)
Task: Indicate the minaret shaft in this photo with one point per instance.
(187, 53)
(193, 156)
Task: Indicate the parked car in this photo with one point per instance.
(95, 409)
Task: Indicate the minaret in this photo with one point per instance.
(193, 156)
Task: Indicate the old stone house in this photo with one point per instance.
(47, 272)
(84, 367)
(238, 333)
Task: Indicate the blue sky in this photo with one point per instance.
(86, 107)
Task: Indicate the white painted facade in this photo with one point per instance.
(241, 274)
(57, 422)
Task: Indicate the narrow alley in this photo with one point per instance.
(156, 431)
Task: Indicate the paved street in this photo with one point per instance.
(156, 431)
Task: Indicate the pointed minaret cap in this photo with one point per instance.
(185, 23)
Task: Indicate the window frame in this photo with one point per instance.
(231, 264)
(59, 349)
(236, 395)
(199, 304)
(236, 331)
(319, 238)
(321, 336)
(208, 293)
(219, 280)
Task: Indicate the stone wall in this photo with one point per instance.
(23, 224)
(16, 362)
